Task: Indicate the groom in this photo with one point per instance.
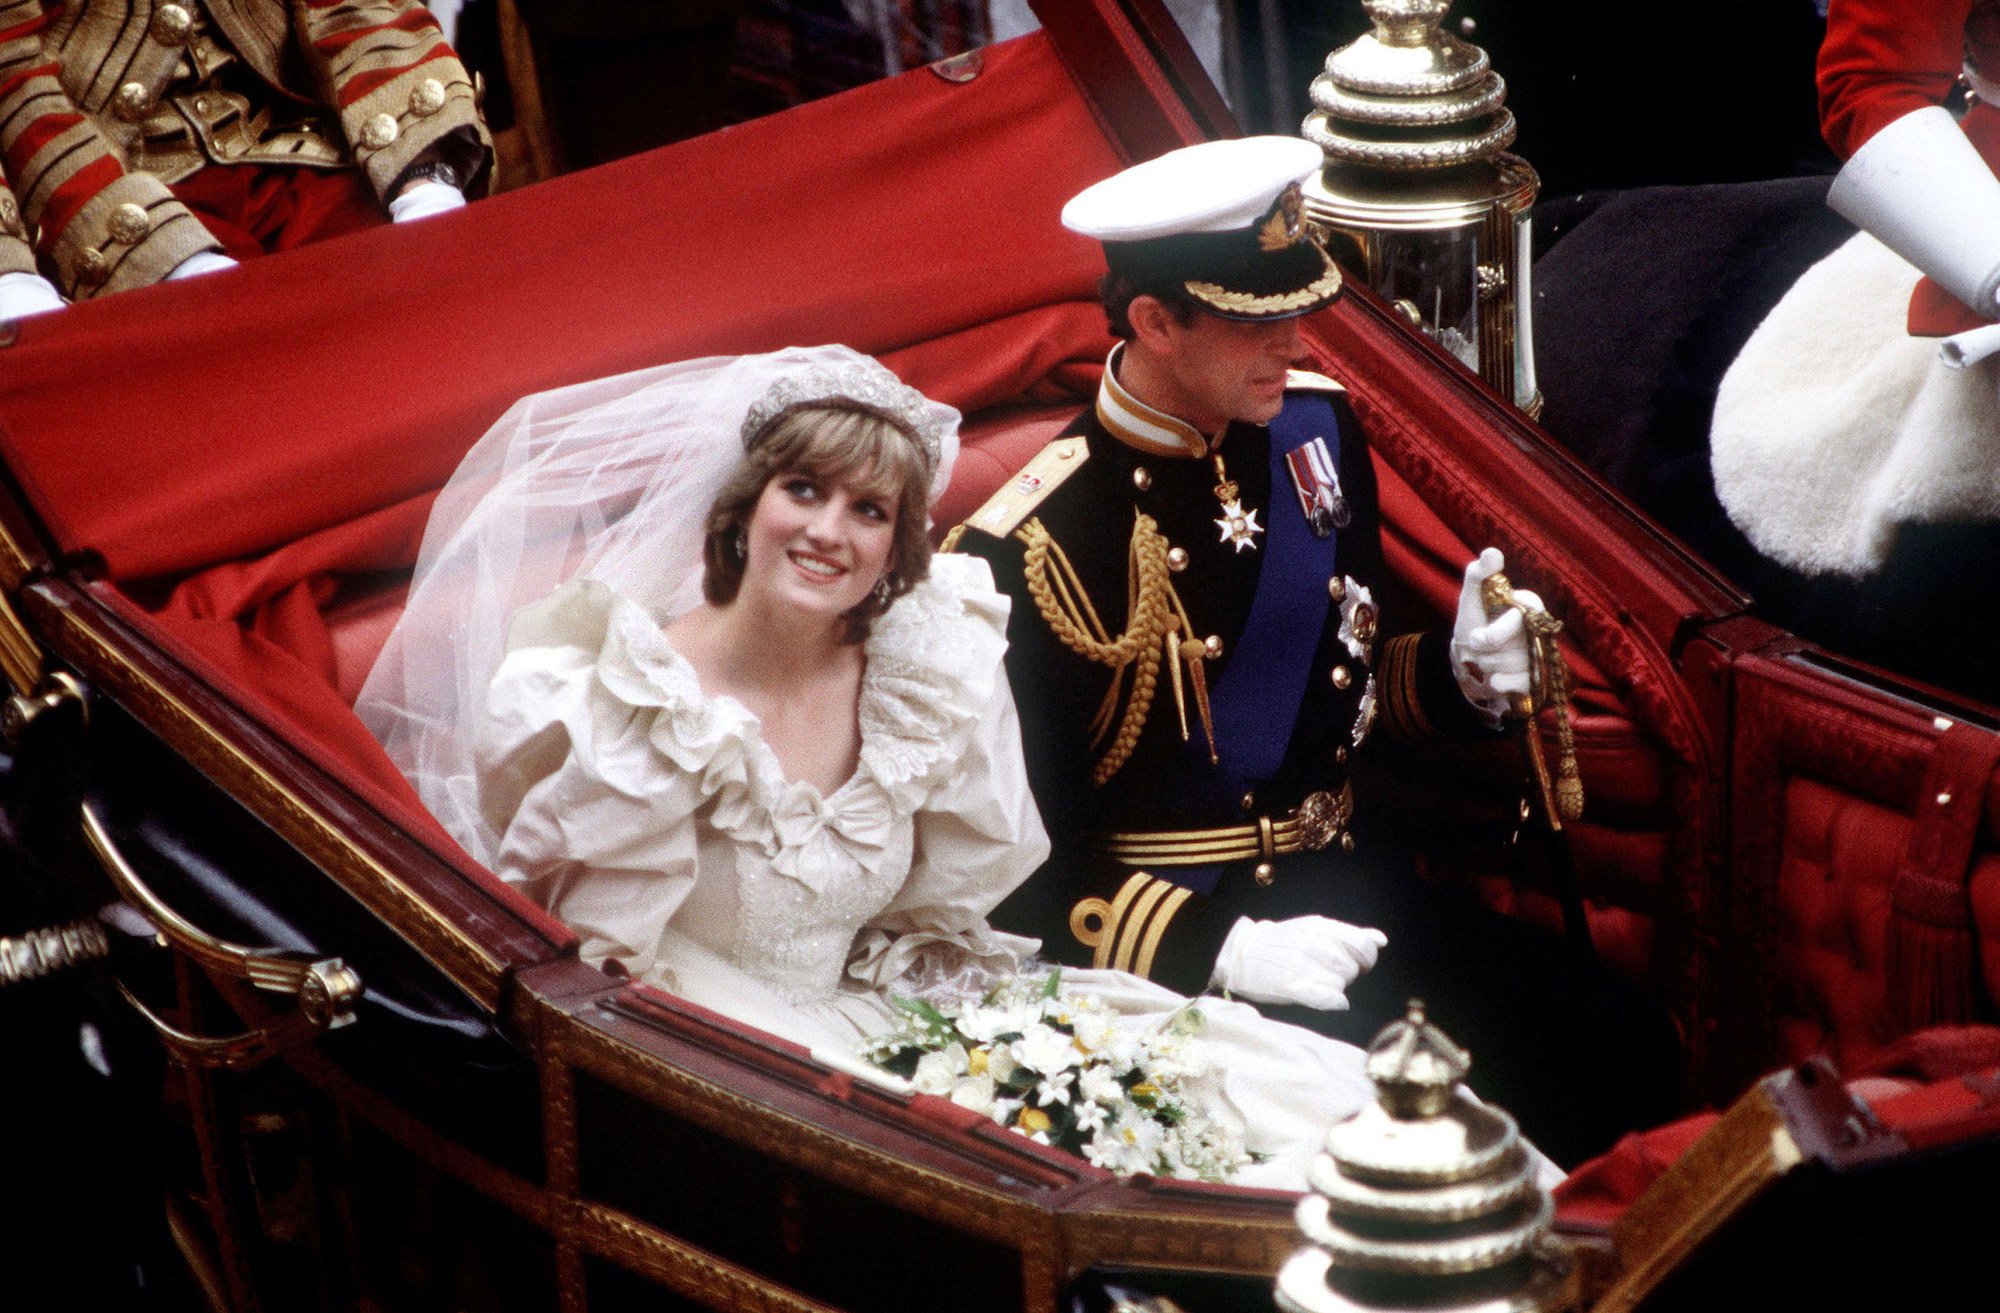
(1194, 648)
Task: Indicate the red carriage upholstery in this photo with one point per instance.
(249, 458)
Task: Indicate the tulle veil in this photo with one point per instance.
(608, 480)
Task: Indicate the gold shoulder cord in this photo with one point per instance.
(1155, 614)
(1549, 683)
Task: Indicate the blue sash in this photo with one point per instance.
(1255, 705)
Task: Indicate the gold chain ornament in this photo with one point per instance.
(1549, 687)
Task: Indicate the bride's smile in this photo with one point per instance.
(818, 544)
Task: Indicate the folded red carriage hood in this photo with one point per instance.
(173, 428)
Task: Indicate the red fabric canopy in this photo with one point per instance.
(245, 449)
(192, 423)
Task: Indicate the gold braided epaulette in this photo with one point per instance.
(1304, 380)
(1020, 495)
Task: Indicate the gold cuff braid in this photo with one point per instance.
(1124, 934)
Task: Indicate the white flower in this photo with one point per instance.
(982, 1025)
(938, 1069)
(974, 1092)
(1045, 1050)
(1053, 1088)
(1090, 1116)
(1100, 1086)
(1093, 1030)
(1000, 1063)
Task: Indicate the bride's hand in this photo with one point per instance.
(1307, 960)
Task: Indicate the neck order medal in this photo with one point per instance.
(1239, 527)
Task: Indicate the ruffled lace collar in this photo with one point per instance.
(932, 665)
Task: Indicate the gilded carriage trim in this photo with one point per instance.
(1253, 1245)
(809, 1146)
(691, 1271)
(317, 836)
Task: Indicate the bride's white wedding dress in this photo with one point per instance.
(655, 821)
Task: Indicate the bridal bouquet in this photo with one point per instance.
(1063, 1069)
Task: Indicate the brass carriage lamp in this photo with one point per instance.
(1419, 197)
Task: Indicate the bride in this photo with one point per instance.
(679, 663)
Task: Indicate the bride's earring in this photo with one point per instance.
(880, 592)
(740, 544)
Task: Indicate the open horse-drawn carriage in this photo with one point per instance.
(396, 1081)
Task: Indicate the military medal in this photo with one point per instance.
(1318, 486)
(1239, 527)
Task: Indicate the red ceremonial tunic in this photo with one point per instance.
(1883, 59)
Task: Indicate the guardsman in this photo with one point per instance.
(148, 139)
(1199, 656)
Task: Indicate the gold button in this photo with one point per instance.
(427, 97)
(1249, 802)
(1341, 676)
(378, 132)
(132, 102)
(1336, 588)
(1212, 646)
(1264, 873)
(10, 216)
(1142, 478)
(1346, 842)
(171, 25)
(91, 267)
(1064, 453)
(1340, 755)
(1177, 559)
(129, 223)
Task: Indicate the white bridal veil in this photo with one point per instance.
(609, 480)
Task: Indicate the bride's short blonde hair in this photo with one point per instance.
(833, 444)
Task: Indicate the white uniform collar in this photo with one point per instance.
(1137, 424)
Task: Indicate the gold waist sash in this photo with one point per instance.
(1320, 820)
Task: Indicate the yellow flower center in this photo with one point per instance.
(975, 1061)
(1033, 1119)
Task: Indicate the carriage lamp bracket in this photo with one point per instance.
(326, 989)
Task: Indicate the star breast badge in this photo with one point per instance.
(1239, 527)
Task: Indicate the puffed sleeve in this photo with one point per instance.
(595, 824)
(977, 833)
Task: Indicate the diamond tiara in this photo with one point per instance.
(859, 384)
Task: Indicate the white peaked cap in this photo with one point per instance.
(1213, 187)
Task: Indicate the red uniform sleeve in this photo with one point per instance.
(1883, 59)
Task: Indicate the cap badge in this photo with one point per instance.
(1286, 224)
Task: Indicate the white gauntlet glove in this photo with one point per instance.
(24, 294)
(1490, 657)
(1308, 960)
(424, 199)
(201, 262)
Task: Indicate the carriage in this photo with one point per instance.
(388, 1078)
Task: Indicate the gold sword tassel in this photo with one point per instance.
(1548, 677)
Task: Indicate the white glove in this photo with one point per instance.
(1308, 960)
(24, 294)
(424, 200)
(1490, 657)
(201, 262)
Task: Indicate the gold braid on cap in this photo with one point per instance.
(1058, 595)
